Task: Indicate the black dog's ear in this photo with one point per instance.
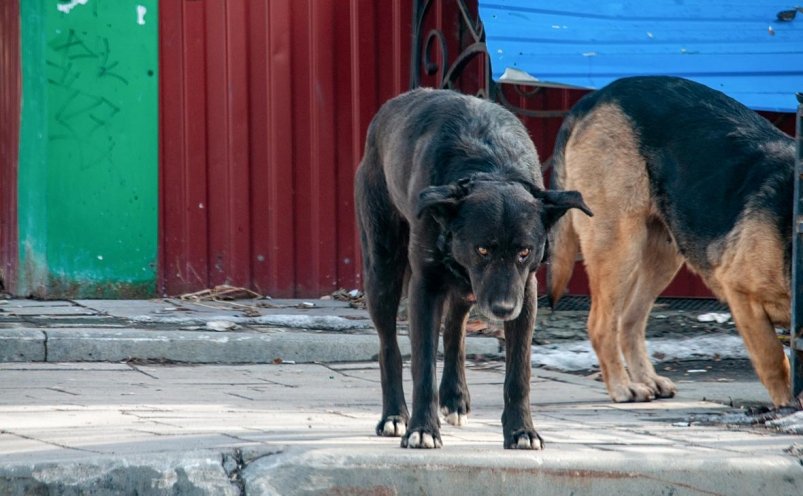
(440, 201)
(558, 202)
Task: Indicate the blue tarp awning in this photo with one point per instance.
(739, 47)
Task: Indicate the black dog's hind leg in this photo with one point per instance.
(455, 401)
(383, 236)
(517, 422)
(425, 307)
(383, 295)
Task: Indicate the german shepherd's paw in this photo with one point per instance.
(630, 392)
(392, 426)
(663, 387)
(524, 439)
(660, 386)
(422, 438)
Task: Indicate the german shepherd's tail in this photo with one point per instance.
(563, 241)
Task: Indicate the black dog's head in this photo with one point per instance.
(497, 231)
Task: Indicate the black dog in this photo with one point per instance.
(449, 191)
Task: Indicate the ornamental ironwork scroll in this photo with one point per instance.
(449, 51)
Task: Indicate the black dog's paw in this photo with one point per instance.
(422, 438)
(455, 408)
(392, 426)
(455, 404)
(455, 416)
(524, 439)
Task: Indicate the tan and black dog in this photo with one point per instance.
(450, 191)
(675, 172)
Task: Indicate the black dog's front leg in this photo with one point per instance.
(517, 423)
(425, 306)
(455, 400)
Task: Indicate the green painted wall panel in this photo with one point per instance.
(88, 169)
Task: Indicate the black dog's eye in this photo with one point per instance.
(523, 254)
(483, 251)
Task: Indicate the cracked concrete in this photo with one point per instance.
(102, 428)
(142, 424)
(233, 464)
(175, 474)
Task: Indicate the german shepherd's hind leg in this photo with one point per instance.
(660, 262)
(455, 401)
(383, 237)
(612, 276)
(765, 350)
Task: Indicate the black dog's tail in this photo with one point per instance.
(563, 240)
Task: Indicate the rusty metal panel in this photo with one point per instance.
(264, 108)
(9, 139)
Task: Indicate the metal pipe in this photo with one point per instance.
(796, 332)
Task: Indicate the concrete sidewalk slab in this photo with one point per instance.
(171, 330)
(105, 428)
(112, 420)
(155, 309)
(114, 345)
(22, 345)
(374, 470)
(76, 344)
(86, 330)
(166, 474)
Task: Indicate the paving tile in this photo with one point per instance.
(45, 310)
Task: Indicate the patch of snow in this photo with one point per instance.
(719, 318)
(221, 325)
(329, 323)
(178, 320)
(333, 323)
(791, 424)
(579, 355)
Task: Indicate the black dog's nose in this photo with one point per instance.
(502, 309)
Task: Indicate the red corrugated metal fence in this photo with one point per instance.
(9, 138)
(264, 106)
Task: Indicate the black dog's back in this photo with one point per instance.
(464, 135)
